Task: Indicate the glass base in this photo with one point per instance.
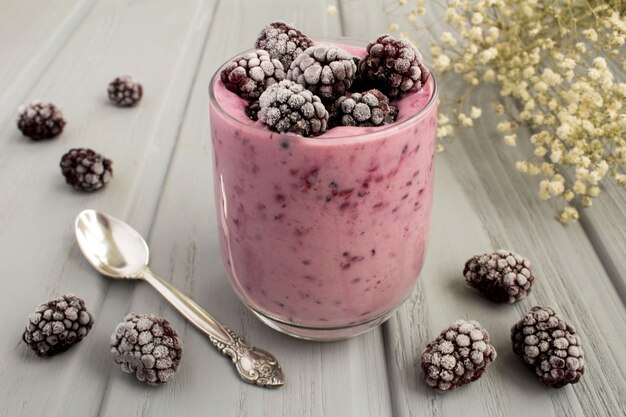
(324, 334)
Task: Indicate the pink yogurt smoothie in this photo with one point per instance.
(324, 231)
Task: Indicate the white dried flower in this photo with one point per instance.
(441, 63)
(511, 139)
(590, 35)
(477, 18)
(447, 39)
(568, 95)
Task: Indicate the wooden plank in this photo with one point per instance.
(161, 49)
(185, 248)
(482, 204)
(31, 34)
(605, 225)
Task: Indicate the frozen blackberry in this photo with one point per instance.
(147, 346)
(326, 70)
(394, 66)
(459, 355)
(250, 74)
(57, 325)
(503, 276)
(550, 346)
(125, 91)
(85, 169)
(359, 84)
(283, 42)
(370, 108)
(288, 107)
(39, 120)
(252, 110)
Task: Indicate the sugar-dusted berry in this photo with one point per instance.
(250, 74)
(325, 70)
(459, 355)
(57, 325)
(370, 108)
(125, 91)
(39, 120)
(288, 107)
(550, 346)
(147, 346)
(502, 276)
(86, 170)
(283, 42)
(394, 66)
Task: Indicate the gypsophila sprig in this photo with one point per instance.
(554, 63)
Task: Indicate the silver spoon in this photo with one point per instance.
(116, 250)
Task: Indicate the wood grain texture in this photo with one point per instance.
(31, 34)
(161, 150)
(605, 225)
(37, 213)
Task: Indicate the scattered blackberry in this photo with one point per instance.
(85, 169)
(57, 325)
(147, 346)
(125, 91)
(39, 120)
(326, 70)
(395, 66)
(550, 346)
(459, 355)
(370, 108)
(503, 276)
(283, 42)
(250, 74)
(288, 107)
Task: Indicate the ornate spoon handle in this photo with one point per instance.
(254, 366)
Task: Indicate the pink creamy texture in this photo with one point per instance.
(324, 231)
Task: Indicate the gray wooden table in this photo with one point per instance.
(66, 51)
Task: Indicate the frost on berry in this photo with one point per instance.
(459, 355)
(370, 108)
(38, 120)
(550, 346)
(57, 325)
(125, 91)
(86, 170)
(147, 346)
(394, 66)
(283, 42)
(325, 70)
(288, 107)
(503, 276)
(250, 74)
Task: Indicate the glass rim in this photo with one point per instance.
(360, 137)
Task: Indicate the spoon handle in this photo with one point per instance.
(254, 365)
(188, 308)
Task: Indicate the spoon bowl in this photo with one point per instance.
(111, 246)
